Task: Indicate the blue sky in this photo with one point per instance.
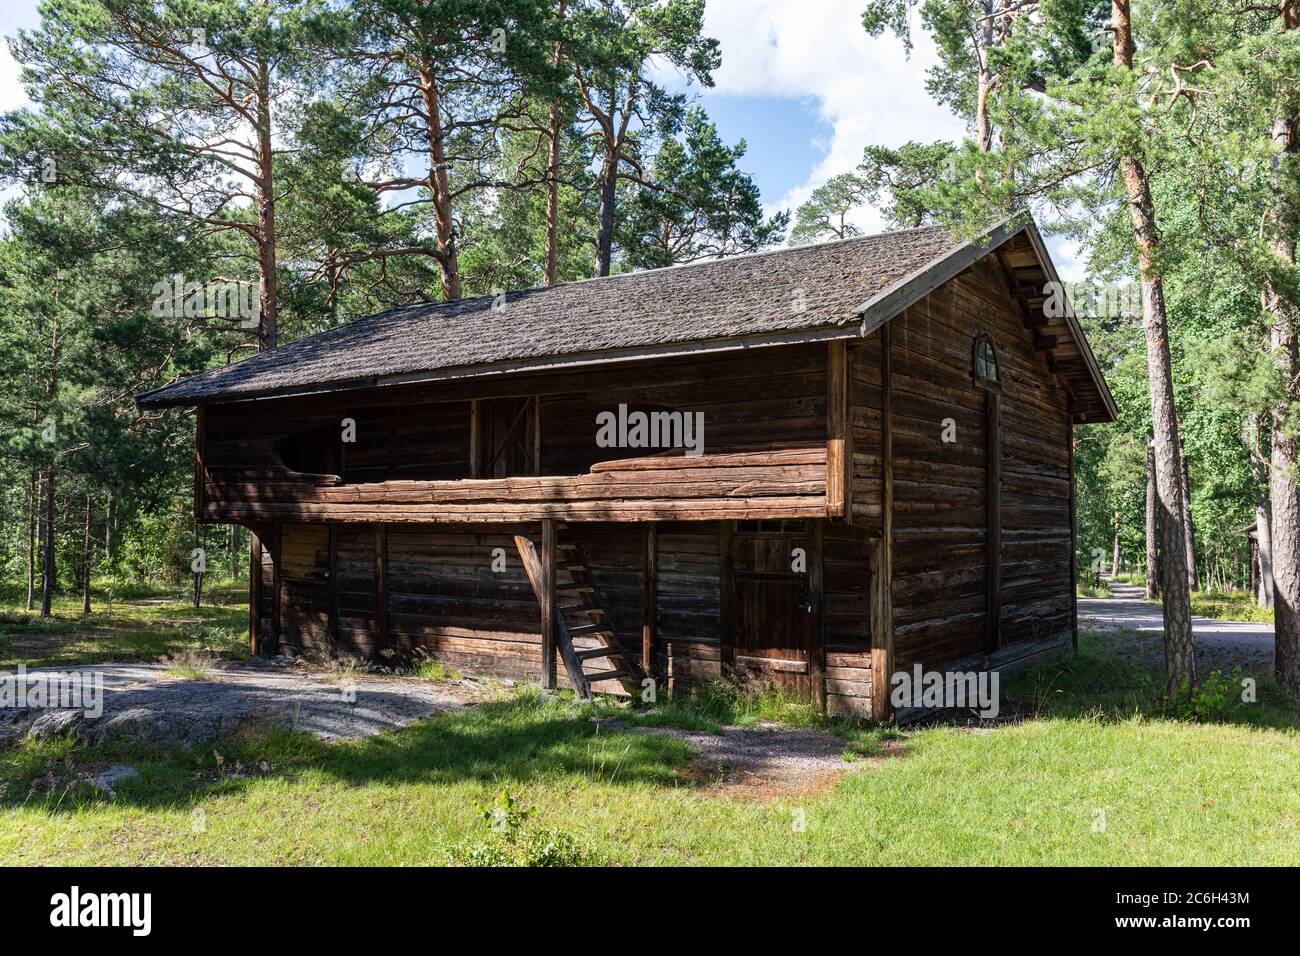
(800, 82)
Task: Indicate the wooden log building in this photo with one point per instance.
(885, 475)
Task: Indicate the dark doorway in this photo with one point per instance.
(505, 437)
(773, 604)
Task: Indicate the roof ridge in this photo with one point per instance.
(677, 267)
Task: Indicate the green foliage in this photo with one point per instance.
(698, 205)
(511, 841)
(1211, 697)
(825, 214)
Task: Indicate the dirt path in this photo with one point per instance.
(765, 762)
(1139, 626)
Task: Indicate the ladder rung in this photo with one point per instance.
(593, 652)
(581, 629)
(584, 606)
(607, 675)
(575, 586)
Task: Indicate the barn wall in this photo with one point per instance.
(1037, 583)
(846, 588)
(752, 401)
(940, 499)
(689, 589)
(865, 422)
(764, 440)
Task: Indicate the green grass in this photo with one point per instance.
(1229, 606)
(1092, 589)
(1093, 748)
(152, 625)
(428, 669)
(720, 704)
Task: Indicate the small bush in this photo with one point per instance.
(510, 841)
(1211, 697)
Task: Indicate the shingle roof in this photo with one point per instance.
(741, 296)
(752, 299)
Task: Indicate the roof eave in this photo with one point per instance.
(913, 288)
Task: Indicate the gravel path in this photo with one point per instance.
(1139, 624)
(766, 761)
(144, 702)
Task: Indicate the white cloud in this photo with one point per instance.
(11, 91)
(864, 88)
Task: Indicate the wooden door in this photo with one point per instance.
(771, 571)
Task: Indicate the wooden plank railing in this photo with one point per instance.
(780, 483)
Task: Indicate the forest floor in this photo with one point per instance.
(1086, 766)
(150, 624)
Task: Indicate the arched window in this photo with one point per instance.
(986, 362)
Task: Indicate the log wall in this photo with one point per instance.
(940, 496)
(764, 448)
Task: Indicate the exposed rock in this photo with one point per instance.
(143, 703)
(114, 775)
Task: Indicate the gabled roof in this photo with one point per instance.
(832, 290)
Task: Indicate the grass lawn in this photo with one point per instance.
(1229, 606)
(1092, 774)
(152, 624)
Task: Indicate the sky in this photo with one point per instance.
(800, 82)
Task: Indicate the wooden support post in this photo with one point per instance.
(726, 601)
(332, 626)
(546, 597)
(277, 598)
(882, 644)
(993, 519)
(476, 438)
(839, 445)
(381, 589)
(537, 434)
(200, 473)
(1074, 539)
(817, 607)
(254, 593)
(649, 609)
(882, 552)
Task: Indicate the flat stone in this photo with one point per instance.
(114, 775)
(145, 704)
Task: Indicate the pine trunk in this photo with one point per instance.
(1114, 558)
(87, 554)
(267, 304)
(1285, 494)
(47, 545)
(440, 186)
(1190, 539)
(608, 196)
(1152, 530)
(32, 485)
(550, 269)
(1180, 655)
(984, 87)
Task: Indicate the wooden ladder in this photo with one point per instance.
(590, 649)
